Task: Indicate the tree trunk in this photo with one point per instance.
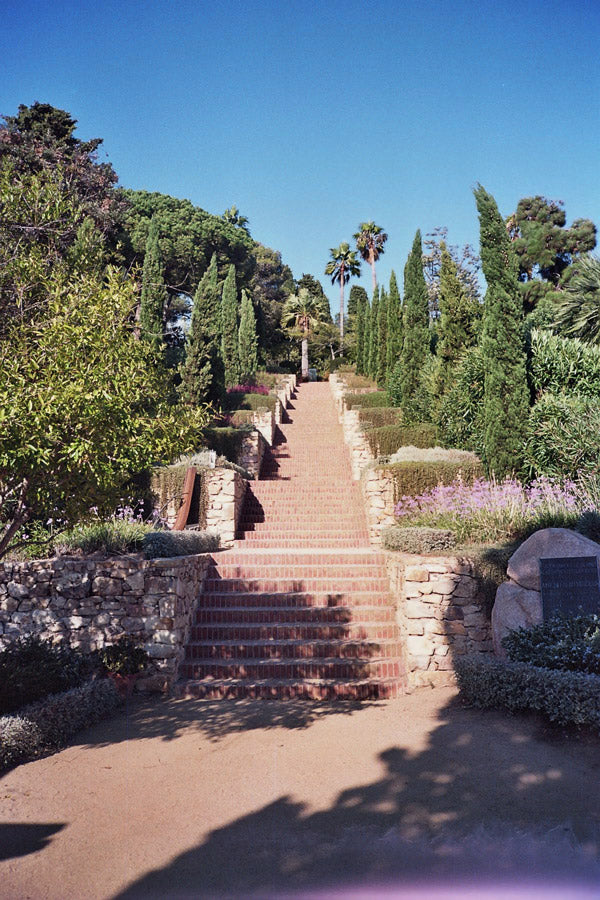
(342, 313)
(372, 264)
(305, 357)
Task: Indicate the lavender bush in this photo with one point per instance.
(489, 510)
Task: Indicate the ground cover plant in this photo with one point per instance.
(32, 668)
(569, 643)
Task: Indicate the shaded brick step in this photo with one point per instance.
(290, 540)
(298, 668)
(294, 631)
(234, 650)
(332, 585)
(363, 613)
(365, 556)
(289, 689)
(257, 568)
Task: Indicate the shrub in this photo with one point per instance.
(566, 365)
(48, 724)
(373, 398)
(568, 643)
(562, 436)
(417, 540)
(563, 697)
(226, 441)
(386, 440)
(250, 401)
(356, 382)
(125, 657)
(241, 417)
(490, 510)
(113, 537)
(414, 477)
(164, 544)
(32, 668)
(460, 413)
(379, 416)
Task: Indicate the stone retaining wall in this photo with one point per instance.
(92, 602)
(226, 491)
(252, 452)
(441, 613)
(378, 493)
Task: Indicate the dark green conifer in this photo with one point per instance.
(203, 378)
(229, 329)
(456, 327)
(374, 336)
(506, 401)
(382, 323)
(247, 339)
(394, 325)
(415, 326)
(357, 294)
(366, 338)
(154, 292)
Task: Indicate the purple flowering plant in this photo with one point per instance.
(248, 389)
(490, 510)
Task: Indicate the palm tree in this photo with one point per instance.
(369, 242)
(342, 266)
(578, 306)
(305, 312)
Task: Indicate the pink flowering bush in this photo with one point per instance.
(490, 510)
(248, 389)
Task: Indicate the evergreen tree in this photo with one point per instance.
(366, 338)
(394, 325)
(229, 329)
(457, 323)
(415, 348)
(154, 292)
(203, 378)
(382, 323)
(374, 336)
(357, 294)
(505, 383)
(247, 339)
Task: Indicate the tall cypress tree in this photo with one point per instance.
(456, 326)
(203, 378)
(382, 321)
(247, 339)
(357, 293)
(229, 329)
(374, 336)
(506, 401)
(415, 347)
(366, 341)
(394, 325)
(154, 292)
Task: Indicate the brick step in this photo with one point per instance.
(290, 689)
(263, 565)
(362, 557)
(339, 519)
(238, 651)
(361, 615)
(294, 631)
(295, 586)
(293, 599)
(298, 668)
(266, 543)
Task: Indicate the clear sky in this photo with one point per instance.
(314, 115)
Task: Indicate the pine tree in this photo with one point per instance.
(382, 322)
(229, 329)
(374, 336)
(154, 292)
(202, 375)
(415, 348)
(456, 326)
(506, 402)
(247, 339)
(394, 325)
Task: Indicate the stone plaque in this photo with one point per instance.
(569, 586)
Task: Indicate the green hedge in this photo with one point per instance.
(417, 539)
(242, 417)
(379, 416)
(567, 365)
(413, 477)
(567, 698)
(563, 436)
(386, 440)
(373, 398)
(250, 401)
(164, 544)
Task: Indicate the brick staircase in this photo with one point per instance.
(300, 607)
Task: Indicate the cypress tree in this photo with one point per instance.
(229, 329)
(247, 339)
(456, 323)
(382, 322)
(366, 342)
(415, 348)
(394, 325)
(506, 401)
(154, 292)
(202, 376)
(357, 294)
(374, 336)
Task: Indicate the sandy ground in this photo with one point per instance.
(415, 798)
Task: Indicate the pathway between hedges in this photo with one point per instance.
(301, 607)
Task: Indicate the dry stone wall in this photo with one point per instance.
(226, 491)
(252, 452)
(441, 613)
(378, 493)
(93, 602)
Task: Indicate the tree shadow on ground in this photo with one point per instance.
(22, 838)
(487, 798)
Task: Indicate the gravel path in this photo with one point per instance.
(198, 798)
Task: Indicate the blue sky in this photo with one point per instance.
(314, 116)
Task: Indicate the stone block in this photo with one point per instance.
(444, 585)
(17, 591)
(104, 586)
(415, 609)
(514, 607)
(416, 573)
(418, 646)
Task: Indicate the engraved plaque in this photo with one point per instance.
(569, 586)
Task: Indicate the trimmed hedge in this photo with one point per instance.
(567, 698)
(413, 477)
(164, 544)
(386, 440)
(417, 539)
(242, 417)
(379, 416)
(47, 725)
(370, 400)
(250, 401)
(227, 441)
